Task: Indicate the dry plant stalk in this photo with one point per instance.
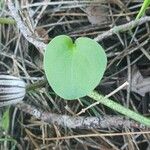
(80, 122)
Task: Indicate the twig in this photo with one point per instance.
(24, 30)
(59, 3)
(122, 28)
(81, 122)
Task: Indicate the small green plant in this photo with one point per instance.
(73, 70)
(145, 5)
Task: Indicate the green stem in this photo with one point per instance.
(7, 21)
(119, 108)
(145, 5)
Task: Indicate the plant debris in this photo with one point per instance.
(97, 15)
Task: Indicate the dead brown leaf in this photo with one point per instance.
(43, 34)
(139, 84)
(97, 15)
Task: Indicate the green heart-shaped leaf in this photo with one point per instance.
(73, 70)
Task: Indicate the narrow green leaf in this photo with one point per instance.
(145, 5)
(5, 120)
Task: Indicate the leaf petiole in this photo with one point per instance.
(119, 108)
